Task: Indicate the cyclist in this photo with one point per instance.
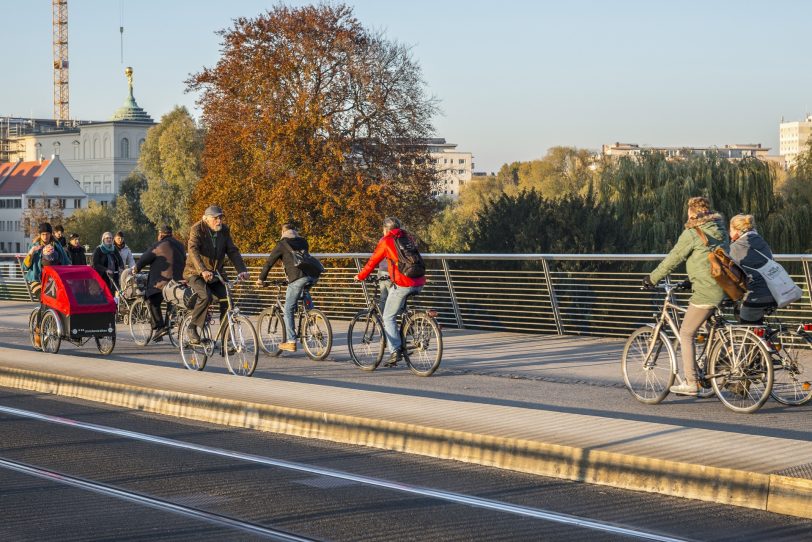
(166, 260)
(298, 280)
(209, 244)
(401, 286)
(707, 294)
(750, 250)
(44, 250)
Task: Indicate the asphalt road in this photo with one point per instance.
(199, 484)
(567, 374)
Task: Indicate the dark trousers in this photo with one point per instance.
(205, 293)
(155, 313)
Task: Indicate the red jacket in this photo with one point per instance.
(386, 249)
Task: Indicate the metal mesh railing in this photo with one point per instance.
(592, 294)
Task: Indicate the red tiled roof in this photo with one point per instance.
(22, 176)
(6, 167)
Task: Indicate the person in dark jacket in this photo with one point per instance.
(707, 294)
(59, 236)
(297, 279)
(209, 244)
(751, 251)
(44, 250)
(107, 261)
(76, 251)
(166, 260)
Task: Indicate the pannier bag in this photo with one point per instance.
(306, 262)
(781, 286)
(410, 262)
(727, 273)
(179, 294)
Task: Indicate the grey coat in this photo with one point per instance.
(745, 252)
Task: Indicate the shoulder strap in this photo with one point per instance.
(701, 235)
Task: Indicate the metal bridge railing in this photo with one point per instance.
(565, 294)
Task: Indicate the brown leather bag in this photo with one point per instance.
(729, 276)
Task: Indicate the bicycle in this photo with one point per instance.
(421, 335)
(313, 328)
(732, 361)
(236, 336)
(791, 349)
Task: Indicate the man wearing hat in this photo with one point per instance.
(209, 244)
(44, 250)
(166, 260)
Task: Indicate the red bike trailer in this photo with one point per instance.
(75, 305)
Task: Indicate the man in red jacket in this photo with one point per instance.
(401, 287)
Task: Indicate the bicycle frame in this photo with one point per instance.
(299, 312)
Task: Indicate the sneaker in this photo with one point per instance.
(394, 358)
(289, 346)
(686, 388)
(159, 334)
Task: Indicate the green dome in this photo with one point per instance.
(130, 109)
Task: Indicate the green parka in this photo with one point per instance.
(691, 249)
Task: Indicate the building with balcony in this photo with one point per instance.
(731, 152)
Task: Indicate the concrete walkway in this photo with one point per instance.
(670, 456)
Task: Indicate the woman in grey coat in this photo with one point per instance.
(750, 251)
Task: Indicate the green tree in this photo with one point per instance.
(91, 222)
(312, 117)
(129, 216)
(171, 163)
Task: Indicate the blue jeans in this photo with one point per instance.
(394, 304)
(292, 295)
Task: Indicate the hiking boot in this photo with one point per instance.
(289, 346)
(394, 358)
(686, 388)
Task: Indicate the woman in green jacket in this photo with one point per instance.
(707, 294)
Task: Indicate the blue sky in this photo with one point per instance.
(513, 77)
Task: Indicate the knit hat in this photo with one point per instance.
(45, 227)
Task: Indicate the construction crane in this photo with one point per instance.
(60, 43)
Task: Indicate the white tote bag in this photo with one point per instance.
(781, 286)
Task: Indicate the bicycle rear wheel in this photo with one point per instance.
(365, 340)
(49, 333)
(241, 349)
(194, 357)
(317, 335)
(140, 323)
(422, 344)
(271, 331)
(741, 371)
(792, 383)
(648, 377)
(105, 344)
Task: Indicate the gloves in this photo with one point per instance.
(685, 285)
(647, 284)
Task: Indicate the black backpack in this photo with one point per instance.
(305, 262)
(410, 262)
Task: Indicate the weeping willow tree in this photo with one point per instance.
(648, 195)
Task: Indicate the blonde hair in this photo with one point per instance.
(698, 205)
(743, 223)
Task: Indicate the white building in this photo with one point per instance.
(27, 185)
(794, 139)
(455, 167)
(100, 155)
(731, 152)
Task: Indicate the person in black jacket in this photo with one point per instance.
(297, 279)
(166, 260)
(76, 251)
(107, 261)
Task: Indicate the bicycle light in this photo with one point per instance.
(807, 327)
(759, 331)
(432, 313)
(701, 338)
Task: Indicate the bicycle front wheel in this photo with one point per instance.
(271, 330)
(741, 371)
(140, 323)
(792, 382)
(649, 365)
(317, 335)
(194, 357)
(422, 344)
(49, 333)
(365, 340)
(241, 349)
